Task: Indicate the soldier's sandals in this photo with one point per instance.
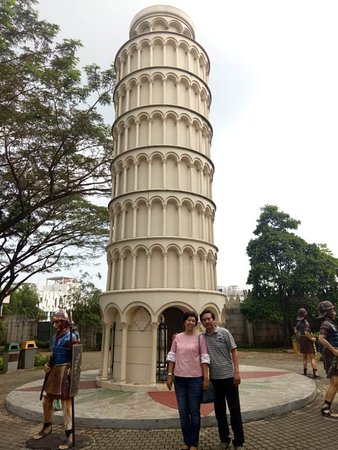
(66, 444)
(43, 433)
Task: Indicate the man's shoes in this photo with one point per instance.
(327, 412)
(224, 445)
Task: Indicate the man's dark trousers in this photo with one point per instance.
(225, 389)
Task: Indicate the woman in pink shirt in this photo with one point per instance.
(189, 362)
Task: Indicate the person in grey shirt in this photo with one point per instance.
(225, 378)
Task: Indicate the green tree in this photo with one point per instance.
(55, 149)
(3, 331)
(24, 302)
(85, 301)
(286, 272)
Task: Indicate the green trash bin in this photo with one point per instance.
(27, 355)
(11, 355)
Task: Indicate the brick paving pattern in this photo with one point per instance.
(297, 430)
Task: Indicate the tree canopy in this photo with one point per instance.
(286, 272)
(85, 303)
(24, 302)
(55, 149)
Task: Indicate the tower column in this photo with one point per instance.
(180, 268)
(124, 326)
(105, 351)
(165, 269)
(128, 62)
(138, 64)
(179, 177)
(123, 212)
(113, 274)
(154, 327)
(109, 275)
(148, 269)
(126, 128)
(149, 173)
(134, 220)
(205, 273)
(136, 177)
(124, 179)
(133, 274)
(164, 131)
(121, 271)
(149, 131)
(128, 100)
(194, 270)
(148, 219)
(117, 183)
(164, 223)
(137, 123)
(179, 208)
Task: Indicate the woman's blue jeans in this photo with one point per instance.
(189, 395)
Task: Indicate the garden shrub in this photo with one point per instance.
(41, 359)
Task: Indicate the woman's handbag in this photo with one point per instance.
(209, 395)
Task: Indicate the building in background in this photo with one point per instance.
(234, 292)
(161, 253)
(55, 294)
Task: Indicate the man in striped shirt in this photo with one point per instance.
(225, 378)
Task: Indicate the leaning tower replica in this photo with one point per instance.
(161, 254)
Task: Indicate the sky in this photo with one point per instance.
(274, 111)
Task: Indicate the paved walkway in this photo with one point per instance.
(264, 392)
(273, 394)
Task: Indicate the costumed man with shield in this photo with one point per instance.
(58, 382)
(328, 337)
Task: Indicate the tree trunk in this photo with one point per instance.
(286, 331)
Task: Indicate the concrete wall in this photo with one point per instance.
(21, 329)
(262, 332)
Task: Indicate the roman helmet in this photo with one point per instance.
(62, 318)
(324, 307)
(302, 314)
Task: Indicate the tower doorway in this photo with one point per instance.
(170, 324)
